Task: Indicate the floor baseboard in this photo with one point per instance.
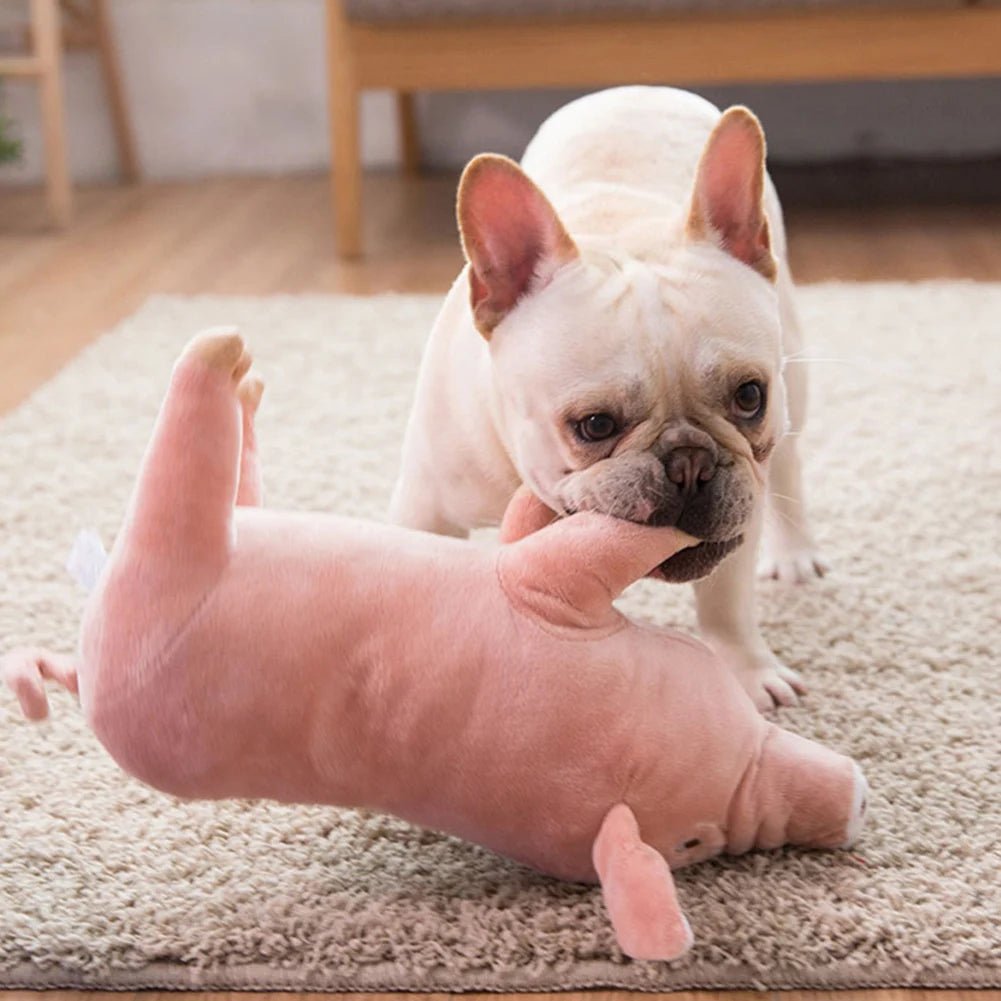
(889, 182)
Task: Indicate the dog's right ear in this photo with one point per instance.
(512, 237)
(727, 202)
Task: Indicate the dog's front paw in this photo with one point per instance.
(763, 676)
(772, 685)
(790, 558)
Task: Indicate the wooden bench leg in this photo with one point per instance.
(410, 146)
(124, 137)
(48, 50)
(344, 134)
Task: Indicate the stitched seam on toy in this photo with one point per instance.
(182, 630)
(576, 634)
(155, 663)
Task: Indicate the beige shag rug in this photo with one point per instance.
(104, 883)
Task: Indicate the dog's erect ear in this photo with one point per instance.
(727, 205)
(512, 237)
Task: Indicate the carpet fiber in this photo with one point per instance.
(106, 883)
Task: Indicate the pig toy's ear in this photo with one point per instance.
(512, 237)
(639, 891)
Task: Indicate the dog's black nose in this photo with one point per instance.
(689, 467)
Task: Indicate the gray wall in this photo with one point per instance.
(237, 86)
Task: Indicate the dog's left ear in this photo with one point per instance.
(511, 235)
(727, 206)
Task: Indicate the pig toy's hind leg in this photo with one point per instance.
(202, 458)
(249, 492)
(639, 891)
(182, 509)
(178, 538)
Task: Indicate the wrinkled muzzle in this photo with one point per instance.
(688, 481)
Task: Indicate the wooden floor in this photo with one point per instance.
(266, 236)
(885, 995)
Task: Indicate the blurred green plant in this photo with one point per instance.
(10, 145)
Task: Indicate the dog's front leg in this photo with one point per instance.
(727, 615)
(416, 503)
(451, 481)
(789, 553)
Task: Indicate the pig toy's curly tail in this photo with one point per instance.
(25, 671)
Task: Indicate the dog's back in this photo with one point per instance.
(623, 161)
(620, 153)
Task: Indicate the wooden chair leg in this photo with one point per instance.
(410, 146)
(344, 95)
(48, 51)
(107, 53)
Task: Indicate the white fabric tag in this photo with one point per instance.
(86, 559)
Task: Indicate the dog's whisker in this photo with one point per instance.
(809, 359)
(782, 514)
(786, 497)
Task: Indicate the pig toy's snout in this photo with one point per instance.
(799, 793)
(860, 809)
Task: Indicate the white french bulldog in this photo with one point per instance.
(617, 342)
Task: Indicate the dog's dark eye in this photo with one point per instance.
(597, 427)
(749, 400)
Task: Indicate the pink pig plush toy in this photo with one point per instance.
(493, 693)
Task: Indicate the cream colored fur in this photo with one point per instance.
(634, 298)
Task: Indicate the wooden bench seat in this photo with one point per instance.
(415, 45)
